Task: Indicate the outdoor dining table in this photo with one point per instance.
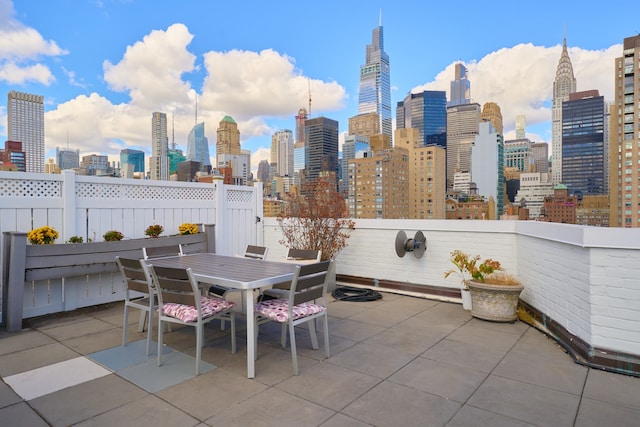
(246, 274)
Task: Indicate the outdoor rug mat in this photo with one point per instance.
(132, 364)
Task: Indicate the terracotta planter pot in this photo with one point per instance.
(494, 302)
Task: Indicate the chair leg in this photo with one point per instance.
(294, 355)
(149, 330)
(141, 322)
(199, 334)
(125, 326)
(283, 335)
(159, 341)
(312, 333)
(326, 335)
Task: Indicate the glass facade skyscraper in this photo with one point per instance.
(583, 143)
(67, 158)
(198, 147)
(132, 161)
(321, 154)
(375, 83)
(427, 112)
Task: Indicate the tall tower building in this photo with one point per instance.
(426, 178)
(282, 153)
(563, 85)
(375, 83)
(427, 112)
(228, 137)
(321, 153)
(491, 112)
(624, 142)
(583, 144)
(159, 161)
(540, 154)
(487, 165)
(517, 154)
(300, 119)
(462, 128)
(198, 147)
(25, 124)
(520, 126)
(460, 87)
(353, 147)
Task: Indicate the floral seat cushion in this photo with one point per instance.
(278, 309)
(188, 313)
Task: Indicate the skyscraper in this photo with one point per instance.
(491, 112)
(25, 124)
(583, 143)
(520, 126)
(563, 85)
(321, 153)
(462, 128)
(487, 165)
(375, 83)
(67, 158)
(624, 142)
(460, 87)
(159, 161)
(427, 112)
(198, 147)
(353, 147)
(300, 119)
(228, 137)
(282, 153)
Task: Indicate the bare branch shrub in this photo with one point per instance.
(316, 219)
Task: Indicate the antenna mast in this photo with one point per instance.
(309, 86)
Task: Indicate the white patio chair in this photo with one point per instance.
(161, 251)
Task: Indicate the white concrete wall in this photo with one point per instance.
(585, 278)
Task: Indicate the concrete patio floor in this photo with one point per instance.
(399, 361)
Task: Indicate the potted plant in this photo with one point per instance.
(112, 236)
(494, 293)
(154, 230)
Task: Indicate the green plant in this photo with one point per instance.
(112, 236)
(75, 239)
(470, 268)
(316, 220)
(154, 230)
(188, 228)
(42, 236)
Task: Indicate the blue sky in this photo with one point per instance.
(105, 66)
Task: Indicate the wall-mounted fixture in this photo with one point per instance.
(417, 245)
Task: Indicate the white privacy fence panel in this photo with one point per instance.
(88, 207)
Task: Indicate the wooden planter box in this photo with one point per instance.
(43, 279)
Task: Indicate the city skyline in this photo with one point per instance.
(100, 99)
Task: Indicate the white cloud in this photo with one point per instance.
(151, 70)
(20, 46)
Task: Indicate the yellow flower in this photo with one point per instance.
(188, 228)
(42, 236)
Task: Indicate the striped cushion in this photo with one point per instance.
(188, 313)
(278, 309)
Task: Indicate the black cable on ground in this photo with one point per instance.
(347, 293)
